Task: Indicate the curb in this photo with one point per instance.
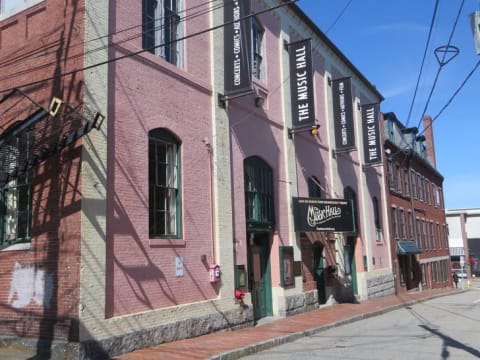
(271, 343)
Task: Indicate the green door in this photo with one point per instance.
(350, 248)
(319, 273)
(259, 276)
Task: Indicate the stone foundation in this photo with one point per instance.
(105, 348)
(299, 303)
(380, 286)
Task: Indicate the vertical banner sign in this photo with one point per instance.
(371, 134)
(237, 46)
(301, 83)
(343, 113)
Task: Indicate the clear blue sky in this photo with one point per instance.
(386, 41)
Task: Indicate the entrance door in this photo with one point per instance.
(350, 252)
(259, 275)
(319, 273)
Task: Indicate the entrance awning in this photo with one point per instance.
(405, 247)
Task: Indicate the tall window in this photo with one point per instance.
(406, 175)
(390, 174)
(376, 217)
(398, 178)
(161, 29)
(257, 49)
(314, 189)
(259, 205)
(432, 236)
(394, 222)
(164, 184)
(410, 225)
(15, 197)
(401, 219)
(350, 195)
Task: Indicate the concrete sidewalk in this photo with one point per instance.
(235, 344)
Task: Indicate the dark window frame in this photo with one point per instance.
(259, 194)
(165, 197)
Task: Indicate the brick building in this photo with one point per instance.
(420, 252)
(138, 193)
(41, 158)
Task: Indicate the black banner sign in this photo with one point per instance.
(237, 46)
(314, 214)
(343, 113)
(371, 134)
(301, 83)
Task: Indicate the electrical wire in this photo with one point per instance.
(121, 41)
(454, 95)
(441, 64)
(135, 53)
(338, 17)
(432, 22)
(41, 51)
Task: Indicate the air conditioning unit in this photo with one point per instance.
(475, 21)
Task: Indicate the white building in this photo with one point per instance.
(464, 239)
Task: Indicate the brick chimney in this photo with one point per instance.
(430, 145)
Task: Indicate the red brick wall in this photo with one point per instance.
(41, 285)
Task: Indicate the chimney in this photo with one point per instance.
(430, 145)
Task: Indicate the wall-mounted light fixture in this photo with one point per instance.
(313, 129)
(259, 100)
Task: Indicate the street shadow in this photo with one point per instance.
(451, 342)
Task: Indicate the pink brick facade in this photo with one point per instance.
(148, 93)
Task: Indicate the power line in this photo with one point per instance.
(150, 48)
(423, 60)
(44, 53)
(121, 41)
(454, 94)
(339, 16)
(441, 64)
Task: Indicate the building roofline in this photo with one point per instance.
(417, 158)
(299, 12)
(468, 211)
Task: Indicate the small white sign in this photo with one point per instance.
(462, 260)
(179, 266)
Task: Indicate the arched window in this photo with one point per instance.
(164, 184)
(350, 195)
(314, 188)
(259, 205)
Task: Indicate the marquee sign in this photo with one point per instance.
(315, 214)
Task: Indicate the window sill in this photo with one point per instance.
(17, 247)
(167, 243)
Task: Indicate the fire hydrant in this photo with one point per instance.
(239, 295)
